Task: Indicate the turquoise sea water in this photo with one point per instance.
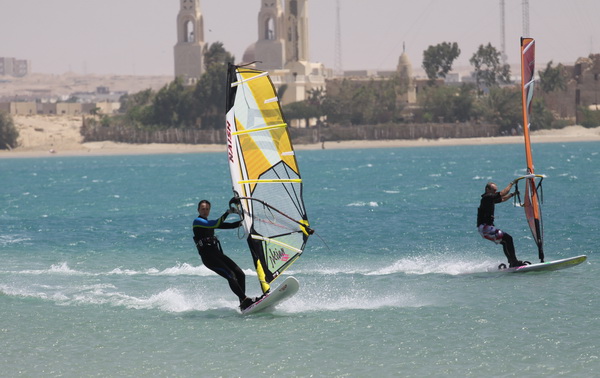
(99, 275)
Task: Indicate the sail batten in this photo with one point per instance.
(265, 177)
(256, 129)
(235, 84)
(274, 181)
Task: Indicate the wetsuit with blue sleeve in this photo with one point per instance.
(212, 254)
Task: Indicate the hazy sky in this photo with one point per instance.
(137, 36)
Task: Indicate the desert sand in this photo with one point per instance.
(41, 136)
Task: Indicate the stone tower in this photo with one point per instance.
(296, 12)
(189, 58)
(404, 70)
(270, 46)
(282, 49)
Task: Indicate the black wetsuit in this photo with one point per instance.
(212, 254)
(485, 216)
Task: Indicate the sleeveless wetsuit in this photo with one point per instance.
(486, 228)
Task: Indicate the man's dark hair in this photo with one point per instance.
(204, 201)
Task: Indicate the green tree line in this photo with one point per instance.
(491, 98)
(177, 105)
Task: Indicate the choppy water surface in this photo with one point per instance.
(99, 275)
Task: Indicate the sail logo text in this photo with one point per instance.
(278, 254)
(229, 142)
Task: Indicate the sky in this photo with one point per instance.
(136, 37)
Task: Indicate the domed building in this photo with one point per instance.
(249, 54)
(282, 49)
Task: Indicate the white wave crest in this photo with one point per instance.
(60, 268)
(12, 239)
(363, 204)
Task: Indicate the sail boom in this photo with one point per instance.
(274, 241)
(530, 176)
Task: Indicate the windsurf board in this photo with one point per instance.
(286, 290)
(545, 266)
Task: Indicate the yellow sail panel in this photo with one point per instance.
(255, 160)
(239, 126)
(263, 94)
(281, 139)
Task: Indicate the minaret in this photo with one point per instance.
(189, 58)
(407, 91)
(270, 46)
(297, 31)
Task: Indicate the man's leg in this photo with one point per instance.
(509, 250)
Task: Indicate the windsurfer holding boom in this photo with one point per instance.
(212, 254)
(485, 220)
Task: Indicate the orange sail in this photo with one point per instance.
(531, 203)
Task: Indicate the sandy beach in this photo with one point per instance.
(41, 136)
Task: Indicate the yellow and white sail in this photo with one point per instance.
(264, 172)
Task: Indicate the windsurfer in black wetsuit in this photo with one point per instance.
(485, 220)
(212, 254)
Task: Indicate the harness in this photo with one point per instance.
(209, 241)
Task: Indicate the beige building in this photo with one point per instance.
(282, 49)
(189, 58)
(19, 108)
(47, 108)
(68, 108)
(59, 108)
(14, 67)
(582, 89)
(270, 46)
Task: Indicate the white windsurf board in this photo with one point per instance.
(286, 290)
(548, 265)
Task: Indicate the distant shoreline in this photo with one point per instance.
(116, 149)
(44, 136)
